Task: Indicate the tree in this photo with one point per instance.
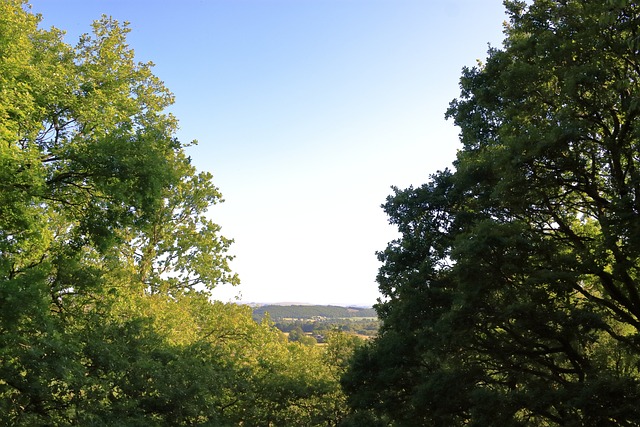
(98, 201)
(512, 296)
(298, 335)
(107, 256)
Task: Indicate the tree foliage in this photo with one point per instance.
(512, 297)
(107, 256)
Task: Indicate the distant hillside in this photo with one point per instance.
(279, 312)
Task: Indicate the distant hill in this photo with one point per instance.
(279, 312)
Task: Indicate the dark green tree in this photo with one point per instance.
(512, 296)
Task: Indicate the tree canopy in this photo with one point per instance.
(108, 254)
(512, 296)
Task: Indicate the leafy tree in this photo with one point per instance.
(221, 368)
(97, 201)
(512, 297)
(340, 348)
(107, 256)
(298, 335)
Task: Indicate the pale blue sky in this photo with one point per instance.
(306, 112)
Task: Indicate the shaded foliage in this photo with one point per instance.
(511, 297)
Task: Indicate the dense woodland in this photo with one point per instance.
(511, 297)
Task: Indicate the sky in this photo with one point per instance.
(306, 112)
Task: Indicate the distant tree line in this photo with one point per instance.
(321, 328)
(280, 312)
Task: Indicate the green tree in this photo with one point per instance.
(512, 297)
(296, 333)
(98, 202)
(107, 256)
